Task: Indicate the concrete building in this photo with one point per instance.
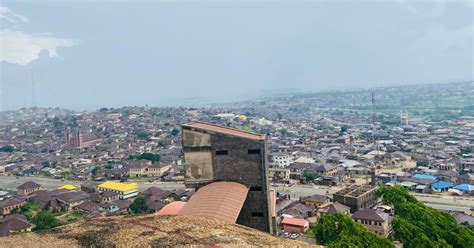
(77, 139)
(356, 197)
(294, 225)
(144, 168)
(125, 190)
(280, 160)
(215, 153)
(279, 174)
(28, 188)
(374, 220)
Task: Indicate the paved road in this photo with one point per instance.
(463, 203)
(10, 182)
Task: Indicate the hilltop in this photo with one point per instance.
(150, 231)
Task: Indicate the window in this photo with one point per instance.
(257, 214)
(254, 151)
(255, 188)
(221, 152)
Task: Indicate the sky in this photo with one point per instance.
(91, 54)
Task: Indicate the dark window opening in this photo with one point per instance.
(257, 214)
(255, 188)
(221, 152)
(254, 151)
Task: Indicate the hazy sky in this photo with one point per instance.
(86, 54)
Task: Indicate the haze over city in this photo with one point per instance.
(86, 55)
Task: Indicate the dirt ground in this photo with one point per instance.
(150, 231)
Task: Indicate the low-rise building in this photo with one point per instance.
(295, 225)
(125, 190)
(356, 197)
(374, 220)
(143, 168)
(9, 204)
(279, 174)
(314, 200)
(28, 188)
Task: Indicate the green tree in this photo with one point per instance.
(44, 220)
(175, 131)
(310, 176)
(7, 148)
(143, 135)
(340, 230)
(343, 130)
(150, 156)
(417, 225)
(139, 205)
(28, 210)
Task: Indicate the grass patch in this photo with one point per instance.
(310, 233)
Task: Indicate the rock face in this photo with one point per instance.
(150, 231)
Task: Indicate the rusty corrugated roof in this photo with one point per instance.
(225, 130)
(220, 200)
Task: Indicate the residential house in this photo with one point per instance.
(374, 220)
(28, 188)
(279, 174)
(7, 206)
(332, 208)
(295, 225)
(314, 200)
(72, 199)
(14, 224)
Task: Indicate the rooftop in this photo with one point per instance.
(123, 187)
(220, 200)
(225, 130)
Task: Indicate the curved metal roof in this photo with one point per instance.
(220, 200)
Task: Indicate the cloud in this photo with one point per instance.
(17, 47)
(10, 16)
(22, 48)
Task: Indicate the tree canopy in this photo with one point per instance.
(153, 157)
(340, 230)
(139, 205)
(7, 148)
(417, 225)
(45, 220)
(175, 131)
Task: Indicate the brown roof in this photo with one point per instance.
(333, 207)
(225, 130)
(29, 185)
(172, 208)
(220, 200)
(370, 214)
(12, 225)
(11, 202)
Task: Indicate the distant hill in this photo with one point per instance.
(150, 231)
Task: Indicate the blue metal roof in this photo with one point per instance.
(423, 176)
(465, 187)
(442, 185)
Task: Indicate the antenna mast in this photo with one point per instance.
(33, 93)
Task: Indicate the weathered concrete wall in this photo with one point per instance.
(233, 164)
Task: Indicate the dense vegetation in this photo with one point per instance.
(340, 230)
(139, 205)
(44, 220)
(7, 148)
(417, 225)
(146, 156)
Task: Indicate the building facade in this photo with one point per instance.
(215, 153)
(356, 197)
